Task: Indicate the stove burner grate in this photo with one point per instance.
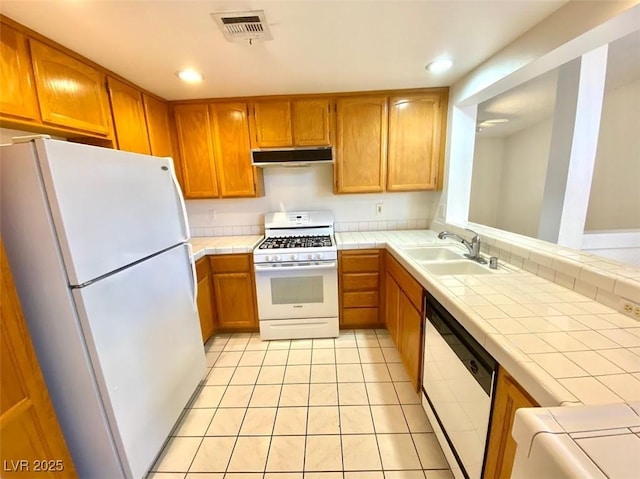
(283, 242)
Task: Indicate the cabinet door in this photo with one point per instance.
(205, 299)
(311, 122)
(193, 128)
(361, 144)
(232, 149)
(18, 93)
(392, 309)
(415, 126)
(29, 430)
(235, 301)
(501, 447)
(272, 123)
(70, 93)
(158, 125)
(410, 339)
(129, 119)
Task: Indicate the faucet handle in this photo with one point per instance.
(476, 236)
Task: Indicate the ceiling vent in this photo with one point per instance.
(241, 27)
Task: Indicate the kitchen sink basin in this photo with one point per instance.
(433, 253)
(457, 267)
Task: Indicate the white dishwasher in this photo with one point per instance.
(457, 385)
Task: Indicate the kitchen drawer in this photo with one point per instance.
(356, 317)
(360, 281)
(360, 261)
(230, 263)
(360, 299)
(409, 286)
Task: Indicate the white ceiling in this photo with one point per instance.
(318, 46)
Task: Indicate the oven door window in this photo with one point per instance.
(297, 290)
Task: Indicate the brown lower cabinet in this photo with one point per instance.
(31, 438)
(361, 288)
(501, 447)
(226, 294)
(404, 315)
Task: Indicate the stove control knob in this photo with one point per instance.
(310, 256)
(268, 258)
(277, 257)
(294, 257)
(318, 256)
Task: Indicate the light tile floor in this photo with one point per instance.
(315, 409)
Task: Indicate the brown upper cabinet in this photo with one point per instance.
(396, 150)
(288, 123)
(215, 151)
(158, 126)
(129, 119)
(232, 151)
(361, 144)
(415, 132)
(18, 93)
(193, 128)
(71, 94)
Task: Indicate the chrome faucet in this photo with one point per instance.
(473, 246)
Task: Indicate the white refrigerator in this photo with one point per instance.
(96, 239)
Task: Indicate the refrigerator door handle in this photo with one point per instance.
(192, 261)
(183, 207)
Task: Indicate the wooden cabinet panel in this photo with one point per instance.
(359, 274)
(311, 122)
(359, 299)
(392, 309)
(236, 176)
(158, 126)
(129, 119)
(193, 128)
(234, 292)
(205, 299)
(357, 263)
(18, 93)
(410, 327)
(415, 126)
(70, 93)
(29, 430)
(235, 301)
(361, 144)
(360, 281)
(230, 263)
(501, 447)
(272, 123)
(411, 288)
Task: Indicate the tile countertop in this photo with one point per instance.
(203, 245)
(565, 349)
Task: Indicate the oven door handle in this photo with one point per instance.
(271, 268)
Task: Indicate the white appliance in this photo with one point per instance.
(96, 239)
(457, 385)
(296, 268)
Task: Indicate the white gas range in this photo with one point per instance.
(296, 269)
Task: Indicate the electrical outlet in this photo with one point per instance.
(631, 309)
(212, 215)
(379, 209)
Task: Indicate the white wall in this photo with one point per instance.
(488, 156)
(615, 191)
(289, 189)
(526, 155)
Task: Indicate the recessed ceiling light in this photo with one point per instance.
(438, 66)
(190, 76)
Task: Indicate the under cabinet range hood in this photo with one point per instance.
(292, 156)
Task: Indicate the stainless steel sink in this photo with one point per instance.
(457, 268)
(434, 253)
